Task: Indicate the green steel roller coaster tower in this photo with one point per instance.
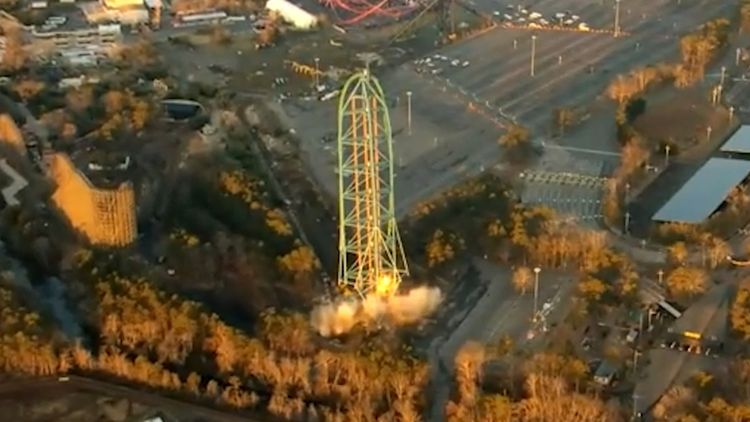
(371, 256)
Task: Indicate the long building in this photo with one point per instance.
(292, 14)
(81, 45)
(102, 35)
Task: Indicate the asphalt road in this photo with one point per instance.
(708, 317)
(499, 312)
(31, 122)
(31, 386)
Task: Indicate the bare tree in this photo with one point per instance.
(522, 279)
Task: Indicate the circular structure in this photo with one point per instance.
(356, 11)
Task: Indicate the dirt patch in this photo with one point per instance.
(681, 118)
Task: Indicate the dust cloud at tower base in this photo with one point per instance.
(341, 316)
(372, 262)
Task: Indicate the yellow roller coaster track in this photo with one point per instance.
(303, 69)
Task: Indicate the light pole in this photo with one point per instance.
(627, 193)
(537, 270)
(723, 75)
(650, 315)
(617, 18)
(627, 221)
(666, 154)
(636, 354)
(317, 72)
(640, 323)
(408, 110)
(715, 95)
(635, 406)
(533, 53)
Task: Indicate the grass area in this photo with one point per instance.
(681, 118)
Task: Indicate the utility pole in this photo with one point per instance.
(627, 193)
(627, 221)
(317, 73)
(533, 53)
(636, 353)
(537, 270)
(650, 315)
(617, 18)
(408, 110)
(640, 323)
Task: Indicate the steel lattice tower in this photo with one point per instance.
(371, 256)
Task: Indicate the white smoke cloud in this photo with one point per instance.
(332, 319)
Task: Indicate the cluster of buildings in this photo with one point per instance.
(95, 29)
(68, 39)
(84, 36)
(101, 199)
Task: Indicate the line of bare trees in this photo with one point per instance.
(145, 332)
(697, 50)
(549, 392)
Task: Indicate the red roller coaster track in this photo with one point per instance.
(358, 10)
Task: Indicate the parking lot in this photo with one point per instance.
(427, 158)
(470, 90)
(594, 14)
(569, 67)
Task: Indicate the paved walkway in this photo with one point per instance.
(17, 184)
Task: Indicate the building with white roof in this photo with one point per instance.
(293, 14)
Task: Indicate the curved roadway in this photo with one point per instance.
(31, 386)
